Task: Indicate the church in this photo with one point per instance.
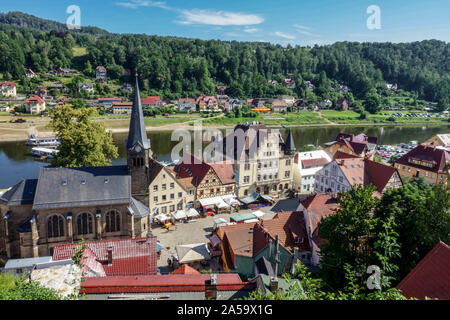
(66, 205)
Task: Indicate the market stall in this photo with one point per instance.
(179, 215)
(188, 253)
(243, 217)
(192, 214)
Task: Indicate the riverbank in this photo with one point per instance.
(20, 132)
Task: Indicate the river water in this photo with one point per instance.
(16, 163)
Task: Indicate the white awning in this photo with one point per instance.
(216, 201)
(192, 252)
(230, 199)
(192, 213)
(251, 221)
(162, 217)
(180, 214)
(258, 213)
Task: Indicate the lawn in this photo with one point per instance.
(353, 117)
(78, 51)
(278, 119)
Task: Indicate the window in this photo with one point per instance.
(211, 191)
(246, 192)
(180, 206)
(163, 209)
(172, 208)
(155, 188)
(155, 199)
(164, 198)
(228, 189)
(247, 166)
(84, 223)
(286, 186)
(172, 185)
(288, 162)
(259, 177)
(341, 179)
(280, 187)
(201, 192)
(180, 194)
(246, 179)
(164, 187)
(55, 227)
(112, 221)
(218, 190)
(326, 172)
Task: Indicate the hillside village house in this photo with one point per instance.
(207, 102)
(306, 166)
(288, 99)
(342, 104)
(40, 91)
(425, 161)
(8, 89)
(360, 145)
(100, 73)
(186, 104)
(279, 106)
(108, 102)
(341, 174)
(151, 101)
(126, 88)
(122, 107)
(30, 74)
(34, 105)
(265, 163)
(325, 104)
(65, 71)
(86, 86)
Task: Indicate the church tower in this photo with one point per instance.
(138, 151)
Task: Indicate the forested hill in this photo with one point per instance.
(177, 67)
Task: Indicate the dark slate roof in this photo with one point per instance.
(289, 147)
(21, 194)
(79, 187)
(137, 133)
(138, 209)
(263, 266)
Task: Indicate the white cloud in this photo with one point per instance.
(284, 35)
(298, 26)
(219, 18)
(134, 4)
(251, 30)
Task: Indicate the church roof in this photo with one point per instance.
(137, 133)
(81, 187)
(21, 194)
(290, 144)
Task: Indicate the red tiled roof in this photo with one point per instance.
(191, 167)
(365, 172)
(150, 100)
(428, 154)
(224, 171)
(343, 155)
(185, 269)
(34, 99)
(7, 83)
(319, 206)
(100, 68)
(184, 100)
(163, 283)
(313, 162)
(128, 104)
(130, 256)
(430, 277)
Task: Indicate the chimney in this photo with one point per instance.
(110, 260)
(211, 288)
(273, 284)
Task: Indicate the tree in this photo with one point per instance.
(372, 103)
(14, 288)
(83, 141)
(349, 233)
(422, 218)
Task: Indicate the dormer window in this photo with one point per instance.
(299, 240)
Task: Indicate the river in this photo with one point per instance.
(16, 162)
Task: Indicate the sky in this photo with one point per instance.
(295, 22)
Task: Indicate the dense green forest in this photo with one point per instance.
(175, 67)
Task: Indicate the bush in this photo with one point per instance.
(13, 288)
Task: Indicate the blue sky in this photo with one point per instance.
(299, 22)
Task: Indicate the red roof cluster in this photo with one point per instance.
(34, 99)
(8, 84)
(129, 256)
(150, 100)
(430, 277)
(163, 283)
(313, 162)
(438, 157)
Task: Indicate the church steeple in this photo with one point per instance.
(137, 133)
(289, 148)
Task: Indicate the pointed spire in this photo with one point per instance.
(290, 144)
(137, 133)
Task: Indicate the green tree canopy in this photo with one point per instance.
(83, 141)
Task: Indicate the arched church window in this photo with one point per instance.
(55, 226)
(84, 222)
(112, 221)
